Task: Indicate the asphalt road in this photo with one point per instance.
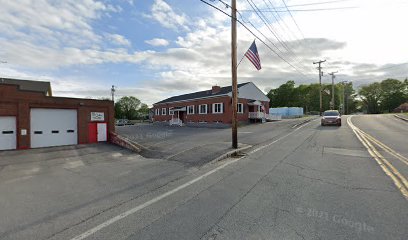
(307, 182)
(194, 146)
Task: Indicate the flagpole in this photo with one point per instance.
(234, 73)
(241, 60)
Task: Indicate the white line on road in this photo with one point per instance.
(164, 195)
(269, 144)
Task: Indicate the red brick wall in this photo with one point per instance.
(14, 102)
(210, 117)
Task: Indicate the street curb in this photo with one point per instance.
(402, 118)
(229, 154)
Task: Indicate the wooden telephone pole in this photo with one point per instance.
(332, 91)
(234, 73)
(320, 84)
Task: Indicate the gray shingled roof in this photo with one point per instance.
(201, 94)
(29, 85)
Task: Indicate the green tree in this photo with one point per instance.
(283, 96)
(143, 111)
(371, 97)
(393, 94)
(126, 107)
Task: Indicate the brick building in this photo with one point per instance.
(213, 106)
(31, 117)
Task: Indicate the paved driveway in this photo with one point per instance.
(197, 146)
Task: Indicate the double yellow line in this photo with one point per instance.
(369, 141)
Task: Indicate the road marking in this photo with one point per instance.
(399, 180)
(269, 144)
(164, 195)
(386, 148)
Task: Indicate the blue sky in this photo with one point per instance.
(153, 49)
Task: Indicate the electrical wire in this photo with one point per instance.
(267, 38)
(256, 36)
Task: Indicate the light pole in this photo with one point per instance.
(1, 79)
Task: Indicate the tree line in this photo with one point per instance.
(378, 97)
(131, 108)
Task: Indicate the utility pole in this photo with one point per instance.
(234, 72)
(344, 97)
(320, 84)
(332, 92)
(113, 90)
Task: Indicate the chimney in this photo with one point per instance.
(215, 89)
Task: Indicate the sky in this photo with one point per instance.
(154, 49)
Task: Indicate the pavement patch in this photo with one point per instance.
(346, 152)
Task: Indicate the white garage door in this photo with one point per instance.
(7, 133)
(53, 127)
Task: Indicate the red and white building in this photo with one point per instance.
(213, 106)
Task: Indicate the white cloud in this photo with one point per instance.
(118, 39)
(52, 34)
(167, 17)
(157, 42)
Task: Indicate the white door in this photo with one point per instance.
(53, 127)
(8, 133)
(102, 132)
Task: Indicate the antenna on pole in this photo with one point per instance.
(113, 90)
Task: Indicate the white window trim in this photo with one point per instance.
(221, 108)
(157, 111)
(242, 108)
(199, 109)
(188, 109)
(163, 111)
(171, 112)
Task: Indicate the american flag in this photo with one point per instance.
(252, 55)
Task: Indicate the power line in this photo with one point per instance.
(256, 36)
(297, 25)
(279, 21)
(301, 10)
(316, 3)
(272, 31)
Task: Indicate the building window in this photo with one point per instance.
(163, 111)
(240, 108)
(203, 109)
(190, 109)
(157, 111)
(217, 107)
(171, 111)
